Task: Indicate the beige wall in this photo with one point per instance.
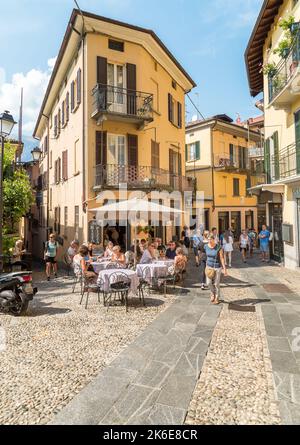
(203, 136)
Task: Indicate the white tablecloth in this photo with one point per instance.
(154, 270)
(99, 266)
(167, 263)
(131, 274)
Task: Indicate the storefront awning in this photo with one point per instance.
(273, 188)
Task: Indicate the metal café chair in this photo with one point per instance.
(90, 287)
(119, 286)
(145, 284)
(78, 277)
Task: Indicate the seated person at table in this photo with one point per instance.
(81, 263)
(171, 251)
(129, 257)
(160, 246)
(73, 250)
(148, 255)
(91, 248)
(143, 245)
(109, 250)
(118, 256)
(180, 260)
(184, 248)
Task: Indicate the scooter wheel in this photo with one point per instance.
(20, 307)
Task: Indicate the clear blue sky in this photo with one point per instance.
(208, 37)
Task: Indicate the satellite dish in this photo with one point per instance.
(194, 118)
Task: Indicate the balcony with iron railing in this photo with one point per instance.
(286, 165)
(284, 80)
(140, 178)
(227, 162)
(122, 104)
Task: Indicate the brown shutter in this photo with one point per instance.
(154, 154)
(179, 114)
(102, 70)
(72, 96)
(65, 165)
(63, 113)
(59, 169)
(179, 164)
(170, 108)
(131, 87)
(132, 141)
(101, 148)
(79, 86)
(67, 107)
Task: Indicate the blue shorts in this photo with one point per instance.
(264, 247)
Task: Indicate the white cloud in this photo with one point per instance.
(34, 84)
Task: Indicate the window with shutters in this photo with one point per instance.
(72, 96)
(66, 221)
(193, 152)
(59, 121)
(236, 187)
(155, 154)
(46, 145)
(55, 126)
(57, 220)
(63, 121)
(76, 222)
(174, 111)
(65, 165)
(78, 87)
(67, 107)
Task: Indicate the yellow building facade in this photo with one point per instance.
(114, 113)
(273, 61)
(222, 157)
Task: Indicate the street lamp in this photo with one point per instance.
(7, 123)
(36, 154)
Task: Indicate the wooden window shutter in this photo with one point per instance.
(155, 154)
(197, 150)
(101, 148)
(79, 86)
(170, 107)
(72, 96)
(59, 121)
(186, 153)
(59, 169)
(102, 70)
(171, 169)
(63, 113)
(276, 156)
(179, 163)
(55, 126)
(65, 165)
(179, 114)
(55, 172)
(46, 144)
(131, 87)
(132, 142)
(67, 107)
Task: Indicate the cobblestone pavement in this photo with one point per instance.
(57, 349)
(236, 385)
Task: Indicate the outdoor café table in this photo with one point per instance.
(155, 270)
(98, 266)
(167, 263)
(131, 274)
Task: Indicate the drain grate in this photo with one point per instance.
(237, 308)
(276, 288)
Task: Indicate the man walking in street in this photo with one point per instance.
(264, 238)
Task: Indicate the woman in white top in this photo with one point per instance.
(244, 244)
(228, 248)
(109, 251)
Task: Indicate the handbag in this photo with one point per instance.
(211, 273)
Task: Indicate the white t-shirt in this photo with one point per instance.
(244, 241)
(228, 247)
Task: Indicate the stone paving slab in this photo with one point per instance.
(152, 380)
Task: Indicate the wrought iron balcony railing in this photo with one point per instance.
(287, 163)
(227, 162)
(122, 102)
(140, 178)
(285, 70)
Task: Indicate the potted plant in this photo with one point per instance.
(269, 69)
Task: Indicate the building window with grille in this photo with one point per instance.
(76, 222)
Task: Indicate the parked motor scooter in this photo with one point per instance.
(16, 291)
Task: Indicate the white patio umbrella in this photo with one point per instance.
(135, 206)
